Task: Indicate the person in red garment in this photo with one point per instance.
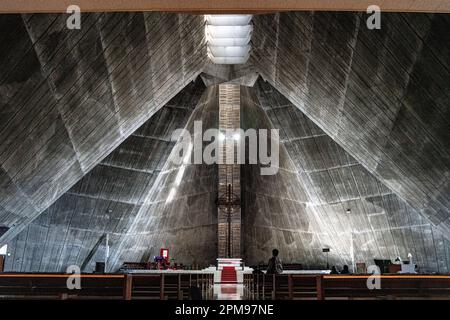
(274, 266)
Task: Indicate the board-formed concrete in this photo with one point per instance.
(70, 97)
(106, 201)
(363, 114)
(180, 210)
(383, 95)
(304, 207)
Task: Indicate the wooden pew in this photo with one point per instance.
(304, 286)
(54, 286)
(147, 286)
(294, 286)
(105, 286)
(280, 287)
(391, 287)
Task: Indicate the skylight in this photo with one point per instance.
(228, 38)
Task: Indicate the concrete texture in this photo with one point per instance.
(107, 200)
(70, 97)
(274, 207)
(304, 207)
(382, 95)
(187, 224)
(363, 114)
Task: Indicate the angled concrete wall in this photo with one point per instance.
(274, 207)
(381, 94)
(106, 201)
(378, 133)
(70, 97)
(180, 216)
(379, 225)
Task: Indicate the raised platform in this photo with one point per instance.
(237, 263)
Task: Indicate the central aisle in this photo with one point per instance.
(228, 292)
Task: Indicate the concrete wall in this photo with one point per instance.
(274, 207)
(379, 225)
(382, 95)
(68, 98)
(186, 225)
(364, 122)
(107, 200)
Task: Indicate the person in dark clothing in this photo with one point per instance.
(334, 270)
(274, 266)
(345, 270)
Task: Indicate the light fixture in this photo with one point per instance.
(228, 38)
(237, 136)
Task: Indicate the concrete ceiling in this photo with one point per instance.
(364, 117)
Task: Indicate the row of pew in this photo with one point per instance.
(161, 286)
(320, 287)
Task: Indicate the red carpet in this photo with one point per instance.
(228, 275)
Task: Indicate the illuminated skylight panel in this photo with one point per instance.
(229, 51)
(228, 41)
(228, 19)
(228, 38)
(229, 31)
